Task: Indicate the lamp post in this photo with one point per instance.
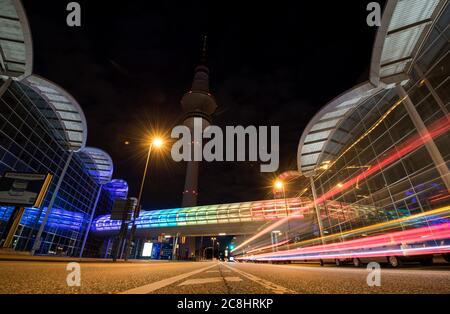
(157, 142)
(213, 239)
(280, 186)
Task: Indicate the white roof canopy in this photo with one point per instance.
(71, 117)
(403, 29)
(325, 129)
(404, 26)
(16, 50)
(98, 164)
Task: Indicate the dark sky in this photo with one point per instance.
(129, 64)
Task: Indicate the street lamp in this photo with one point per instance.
(213, 239)
(156, 142)
(280, 186)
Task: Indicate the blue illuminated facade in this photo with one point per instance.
(63, 219)
(31, 140)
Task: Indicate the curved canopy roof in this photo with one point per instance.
(403, 29)
(16, 50)
(98, 164)
(325, 130)
(70, 115)
(117, 188)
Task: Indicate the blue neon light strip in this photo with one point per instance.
(58, 218)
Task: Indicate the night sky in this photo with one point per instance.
(129, 64)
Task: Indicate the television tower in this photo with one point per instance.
(200, 104)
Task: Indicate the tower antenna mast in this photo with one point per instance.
(203, 59)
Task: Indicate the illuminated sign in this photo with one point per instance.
(147, 250)
(24, 189)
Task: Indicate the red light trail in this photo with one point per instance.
(405, 237)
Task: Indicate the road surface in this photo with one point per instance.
(212, 277)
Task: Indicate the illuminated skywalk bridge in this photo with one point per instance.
(235, 218)
(244, 218)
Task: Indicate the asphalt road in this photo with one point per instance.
(212, 277)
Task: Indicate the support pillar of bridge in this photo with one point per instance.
(192, 247)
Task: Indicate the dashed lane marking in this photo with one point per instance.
(233, 279)
(265, 283)
(165, 282)
(200, 281)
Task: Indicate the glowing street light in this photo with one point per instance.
(278, 185)
(156, 142)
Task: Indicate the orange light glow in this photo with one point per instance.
(278, 185)
(158, 142)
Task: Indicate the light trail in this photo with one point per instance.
(269, 246)
(438, 213)
(405, 237)
(436, 129)
(382, 253)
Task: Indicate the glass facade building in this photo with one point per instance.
(380, 154)
(43, 130)
(30, 141)
(375, 160)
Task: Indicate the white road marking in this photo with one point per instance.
(200, 281)
(218, 271)
(233, 279)
(165, 282)
(265, 283)
(363, 270)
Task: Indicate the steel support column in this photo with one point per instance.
(38, 240)
(316, 207)
(90, 219)
(430, 145)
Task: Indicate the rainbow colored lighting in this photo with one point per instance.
(211, 214)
